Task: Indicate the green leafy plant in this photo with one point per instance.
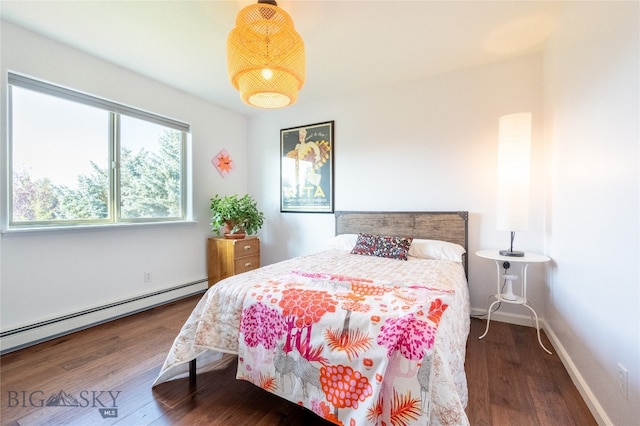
(238, 214)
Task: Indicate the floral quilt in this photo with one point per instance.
(353, 351)
(356, 331)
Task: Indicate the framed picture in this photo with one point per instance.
(306, 168)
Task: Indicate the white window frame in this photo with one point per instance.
(115, 110)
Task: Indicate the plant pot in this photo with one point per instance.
(228, 226)
(236, 236)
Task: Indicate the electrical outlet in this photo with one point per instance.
(147, 277)
(623, 381)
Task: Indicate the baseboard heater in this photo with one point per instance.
(162, 297)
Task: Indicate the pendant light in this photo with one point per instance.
(265, 56)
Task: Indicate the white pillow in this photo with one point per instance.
(436, 249)
(342, 242)
(429, 249)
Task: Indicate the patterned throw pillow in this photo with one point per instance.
(377, 245)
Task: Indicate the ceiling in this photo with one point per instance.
(351, 46)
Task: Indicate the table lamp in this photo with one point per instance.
(514, 157)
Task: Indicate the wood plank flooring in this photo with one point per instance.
(512, 381)
(109, 370)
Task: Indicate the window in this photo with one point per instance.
(75, 159)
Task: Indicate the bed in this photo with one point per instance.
(371, 330)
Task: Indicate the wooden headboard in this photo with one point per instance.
(444, 226)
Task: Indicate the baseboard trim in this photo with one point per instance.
(590, 399)
(587, 395)
(31, 334)
(516, 319)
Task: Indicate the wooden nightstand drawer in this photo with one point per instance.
(227, 257)
(247, 264)
(246, 247)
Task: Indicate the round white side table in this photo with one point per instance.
(508, 296)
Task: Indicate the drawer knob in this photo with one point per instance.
(246, 265)
(247, 247)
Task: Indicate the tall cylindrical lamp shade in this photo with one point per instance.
(514, 158)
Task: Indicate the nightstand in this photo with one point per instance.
(506, 295)
(227, 257)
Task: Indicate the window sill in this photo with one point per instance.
(16, 231)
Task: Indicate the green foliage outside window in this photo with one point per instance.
(150, 188)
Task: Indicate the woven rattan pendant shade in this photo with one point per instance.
(265, 57)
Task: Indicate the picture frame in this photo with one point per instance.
(306, 168)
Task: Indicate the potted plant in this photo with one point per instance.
(238, 216)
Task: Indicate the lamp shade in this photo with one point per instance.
(265, 57)
(514, 157)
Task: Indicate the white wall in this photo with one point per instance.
(426, 145)
(591, 77)
(48, 274)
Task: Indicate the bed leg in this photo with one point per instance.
(192, 373)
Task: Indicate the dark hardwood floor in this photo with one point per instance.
(512, 381)
(109, 369)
